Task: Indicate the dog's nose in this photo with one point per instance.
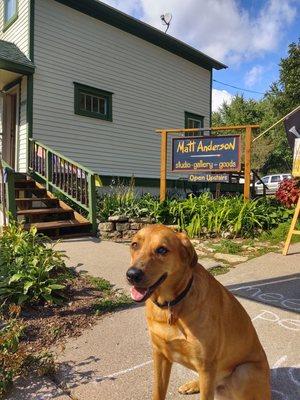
(134, 275)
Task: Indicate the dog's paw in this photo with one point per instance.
(191, 387)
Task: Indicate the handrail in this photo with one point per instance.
(66, 176)
(62, 156)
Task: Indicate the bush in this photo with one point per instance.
(288, 192)
(11, 359)
(201, 215)
(31, 270)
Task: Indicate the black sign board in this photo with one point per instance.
(211, 153)
(292, 128)
(207, 177)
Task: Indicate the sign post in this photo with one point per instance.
(163, 165)
(247, 183)
(206, 153)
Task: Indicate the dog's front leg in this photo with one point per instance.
(162, 370)
(207, 384)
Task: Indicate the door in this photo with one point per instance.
(10, 121)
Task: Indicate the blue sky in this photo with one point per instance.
(250, 36)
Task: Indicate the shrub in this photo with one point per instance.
(30, 269)
(203, 215)
(11, 359)
(288, 192)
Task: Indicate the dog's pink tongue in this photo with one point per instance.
(137, 294)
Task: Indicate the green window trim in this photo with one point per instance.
(80, 90)
(7, 24)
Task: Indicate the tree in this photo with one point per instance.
(271, 153)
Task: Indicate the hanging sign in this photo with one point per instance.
(211, 153)
(207, 177)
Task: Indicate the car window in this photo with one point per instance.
(275, 178)
(265, 179)
(286, 176)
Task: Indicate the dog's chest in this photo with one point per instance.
(174, 341)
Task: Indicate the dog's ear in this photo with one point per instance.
(188, 249)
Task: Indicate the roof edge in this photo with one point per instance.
(125, 22)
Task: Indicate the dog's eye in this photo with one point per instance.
(134, 245)
(161, 250)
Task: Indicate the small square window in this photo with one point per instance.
(92, 102)
(10, 13)
(193, 121)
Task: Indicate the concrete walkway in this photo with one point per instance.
(112, 360)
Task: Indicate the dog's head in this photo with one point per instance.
(158, 254)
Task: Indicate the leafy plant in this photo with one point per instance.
(30, 269)
(288, 192)
(11, 359)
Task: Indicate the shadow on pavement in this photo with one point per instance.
(285, 380)
(281, 292)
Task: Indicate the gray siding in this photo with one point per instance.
(152, 89)
(18, 32)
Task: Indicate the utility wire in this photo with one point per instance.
(235, 87)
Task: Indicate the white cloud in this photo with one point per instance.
(221, 28)
(219, 97)
(254, 75)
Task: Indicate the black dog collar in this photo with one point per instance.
(169, 304)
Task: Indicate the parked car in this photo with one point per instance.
(272, 182)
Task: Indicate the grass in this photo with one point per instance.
(109, 304)
(219, 270)
(112, 299)
(101, 284)
(228, 246)
(279, 234)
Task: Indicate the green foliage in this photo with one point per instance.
(110, 304)
(101, 284)
(31, 270)
(228, 246)
(271, 152)
(11, 359)
(285, 94)
(279, 234)
(205, 215)
(215, 271)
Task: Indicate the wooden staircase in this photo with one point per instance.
(50, 215)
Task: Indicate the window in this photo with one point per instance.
(193, 121)
(275, 178)
(92, 102)
(10, 13)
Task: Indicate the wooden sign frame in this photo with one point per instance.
(292, 230)
(164, 147)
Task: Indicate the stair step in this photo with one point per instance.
(56, 224)
(24, 184)
(33, 190)
(41, 211)
(54, 200)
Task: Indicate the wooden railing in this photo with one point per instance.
(66, 176)
(7, 191)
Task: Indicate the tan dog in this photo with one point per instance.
(194, 321)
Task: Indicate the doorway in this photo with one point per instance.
(10, 127)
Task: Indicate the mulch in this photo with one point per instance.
(49, 325)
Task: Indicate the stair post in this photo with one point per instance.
(48, 169)
(92, 202)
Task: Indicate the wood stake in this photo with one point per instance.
(292, 230)
(163, 165)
